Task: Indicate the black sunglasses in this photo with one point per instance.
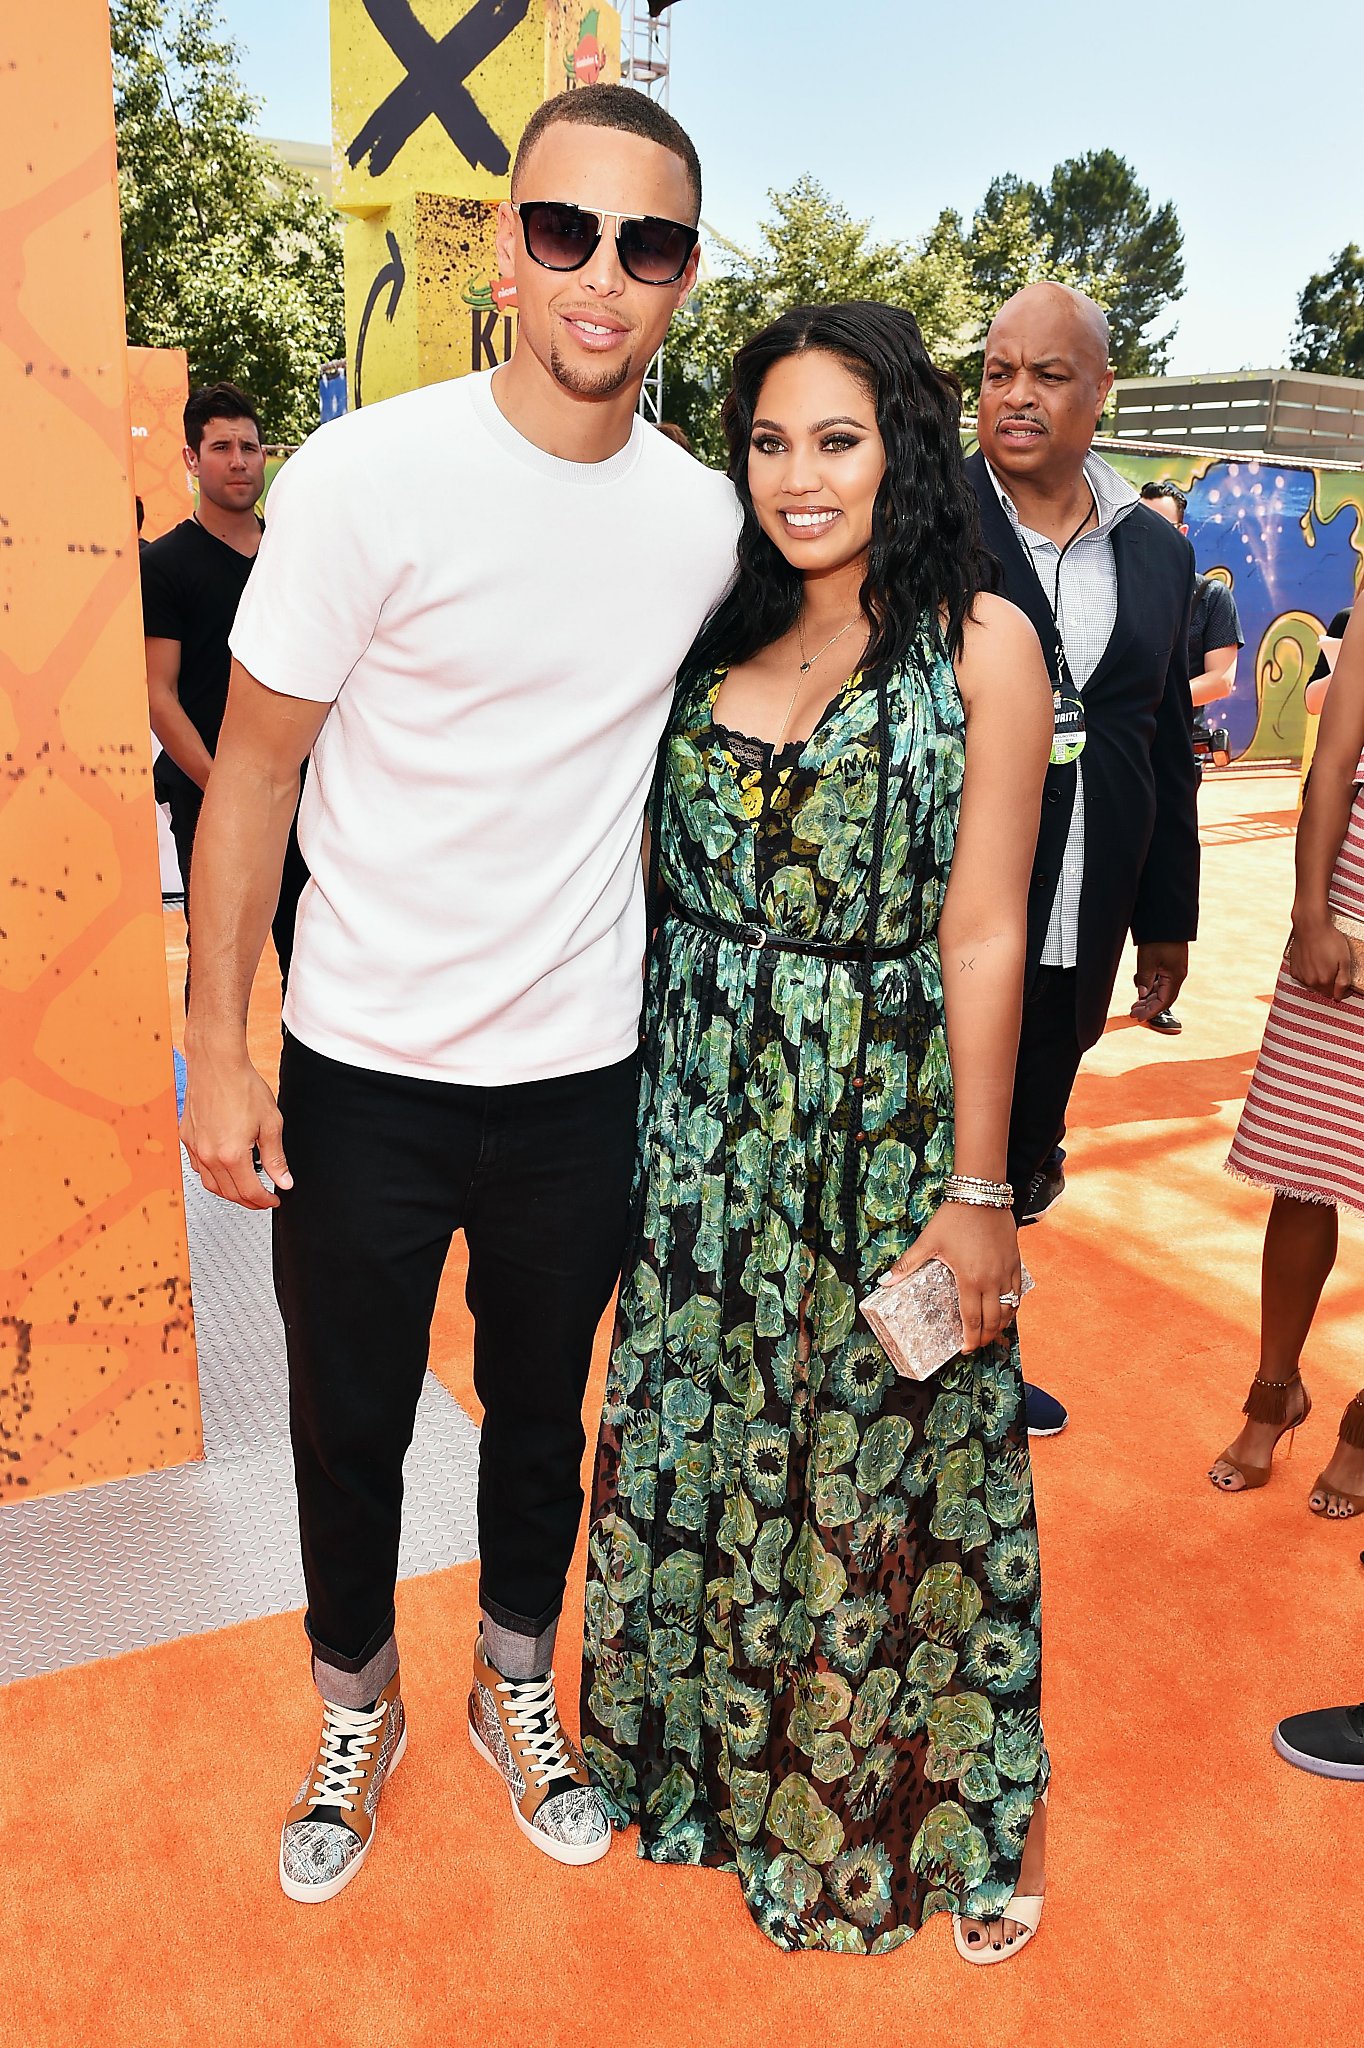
(563, 237)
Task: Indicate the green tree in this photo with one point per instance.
(1004, 251)
(812, 251)
(227, 252)
(1330, 332)
(1092, 226)
(1097, 221)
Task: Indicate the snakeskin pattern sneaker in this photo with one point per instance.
(515, 1728)
(329, 1829)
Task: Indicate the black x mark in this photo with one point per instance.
(441, 89)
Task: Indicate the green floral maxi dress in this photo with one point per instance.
(813, 1631)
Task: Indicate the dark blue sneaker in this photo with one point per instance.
(1329, 1742)
(1044, 1190)
(1046, 1416)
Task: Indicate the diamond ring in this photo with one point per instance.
(1010, 1300)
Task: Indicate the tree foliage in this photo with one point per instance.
(1096, 219)
(227, 252)
(1091, 226)
(1330, 332)
(812, 251)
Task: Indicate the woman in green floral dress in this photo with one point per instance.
(813, 1650)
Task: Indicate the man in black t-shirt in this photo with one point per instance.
(1215, 640)
(192, 581)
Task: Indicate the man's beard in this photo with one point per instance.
(583, 383)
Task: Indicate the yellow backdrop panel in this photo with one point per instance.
(423, 296)
(432, 96)
(97, 1364)
(428, 106)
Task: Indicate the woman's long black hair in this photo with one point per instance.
(927, 561)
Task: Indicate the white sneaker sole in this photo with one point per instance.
(562, 1852)
(1036, 1215)
(1318, 1766)
(318, 1894)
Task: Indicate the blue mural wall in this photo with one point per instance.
(1289, 541)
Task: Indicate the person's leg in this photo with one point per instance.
(1299, 1251)
(1007, 1933)
(1339, 1491)
(1048, 1061)
(292, 883)
(545, 1230)
(381, 1166)
(184, 801)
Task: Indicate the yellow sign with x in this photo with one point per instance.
(432, 95)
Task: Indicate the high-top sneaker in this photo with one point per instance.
(329, 1828)
(515, 1728)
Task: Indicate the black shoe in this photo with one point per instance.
(1046, 1416)
(1045, 1190)
(1166, 1021)
(1329, 1742)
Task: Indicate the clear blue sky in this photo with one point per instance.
(1246, 114)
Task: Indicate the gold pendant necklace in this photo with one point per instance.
(807, 663)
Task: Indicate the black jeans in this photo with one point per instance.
(1049, 1054)
(385, 1170)
(186, 800)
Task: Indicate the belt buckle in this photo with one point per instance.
(755, 936)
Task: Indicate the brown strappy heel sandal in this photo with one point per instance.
(1351, 1433)
(1267, 1402)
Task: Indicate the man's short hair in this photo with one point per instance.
(1161, 487)
(612, 106)
(217, 402)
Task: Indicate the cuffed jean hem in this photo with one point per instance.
(520, 1624)
(356, 1688)
(346, 1681)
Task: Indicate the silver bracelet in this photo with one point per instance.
(977, 1194)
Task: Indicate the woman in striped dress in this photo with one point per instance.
(1302, 1129)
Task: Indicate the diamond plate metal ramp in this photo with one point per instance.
(141, 1561)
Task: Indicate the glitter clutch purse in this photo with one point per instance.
(1351, 930)
(917, 1321)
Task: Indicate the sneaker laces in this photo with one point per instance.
(534, 1715)
(343, 1756)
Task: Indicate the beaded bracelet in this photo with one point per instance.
(977, 1194)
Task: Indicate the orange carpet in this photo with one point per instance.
(1200, 1891)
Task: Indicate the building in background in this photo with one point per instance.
(1295, 413)
(313, 159)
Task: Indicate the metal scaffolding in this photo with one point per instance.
(646, 62)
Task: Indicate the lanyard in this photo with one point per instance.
(1068, 738)
(1063, 677)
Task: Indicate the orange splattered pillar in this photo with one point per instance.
(97, 1361)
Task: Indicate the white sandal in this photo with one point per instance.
(1026, 1909)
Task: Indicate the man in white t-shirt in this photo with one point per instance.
(469, 607)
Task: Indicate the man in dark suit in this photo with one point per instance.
(1108, 585)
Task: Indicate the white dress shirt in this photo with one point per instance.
(1083, 584)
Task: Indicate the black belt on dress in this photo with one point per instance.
(760, 940)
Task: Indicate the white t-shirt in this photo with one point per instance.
(497, 631)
